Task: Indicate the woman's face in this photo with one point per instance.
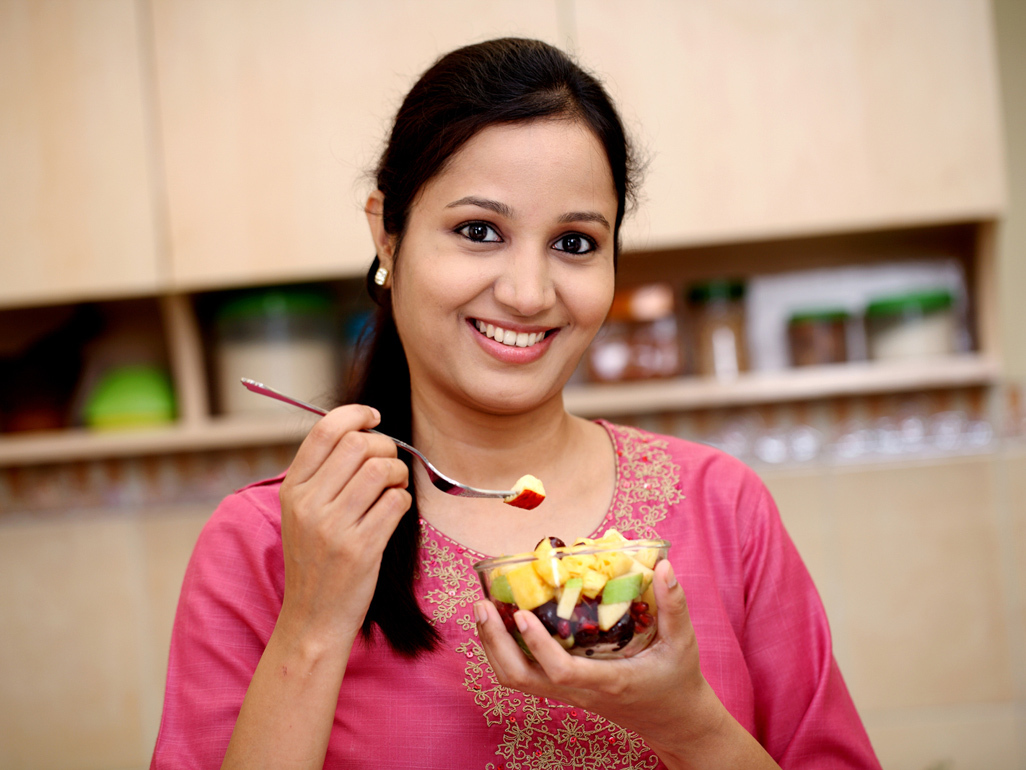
(506, 267)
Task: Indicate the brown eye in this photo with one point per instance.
(479, 232)
(574, 243)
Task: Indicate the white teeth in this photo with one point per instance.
(508, 336)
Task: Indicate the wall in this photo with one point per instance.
(1010, 26)
(922, 567)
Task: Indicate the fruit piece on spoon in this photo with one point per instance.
(528, 493)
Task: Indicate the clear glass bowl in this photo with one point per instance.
(594, 597)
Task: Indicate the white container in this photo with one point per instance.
(910, 326)
(280, 337)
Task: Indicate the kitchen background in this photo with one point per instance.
(181, 203)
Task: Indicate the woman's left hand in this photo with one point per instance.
(660, 693)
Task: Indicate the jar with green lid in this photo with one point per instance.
(717, 313)
(818, 336)
(916, 324)
(281, 336)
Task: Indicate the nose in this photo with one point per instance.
(525, 284)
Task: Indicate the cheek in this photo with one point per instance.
(591, 302)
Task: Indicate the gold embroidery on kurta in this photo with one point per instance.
(537, 733)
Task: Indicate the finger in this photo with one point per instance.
(551, 657)
(325, 435)
(558, 666)
(674, 618)
(370, 481)
(378, 524)
(339, 469)
(503, 652)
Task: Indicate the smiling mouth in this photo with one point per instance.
(508, 336)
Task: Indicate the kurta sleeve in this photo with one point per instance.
(229, 604)
(805, 716)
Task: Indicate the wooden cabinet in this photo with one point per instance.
(273, 114)
(780, 135)
(778, 118)
(77, 213)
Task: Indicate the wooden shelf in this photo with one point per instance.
(819, 382)
(584, 400)
(217, 433)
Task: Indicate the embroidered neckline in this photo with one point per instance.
(538, 733)
(614, 504)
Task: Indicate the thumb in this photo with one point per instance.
(674, 619)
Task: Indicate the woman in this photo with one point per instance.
(331, 617)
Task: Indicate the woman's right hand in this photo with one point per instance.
(340, 502)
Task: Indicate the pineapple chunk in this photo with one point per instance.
(548, 565)
(647, 574)
(648, 596)
(614, 563)
(576, 564)
(529, 590)
(610, 536)
(593, 582)
(646, 556)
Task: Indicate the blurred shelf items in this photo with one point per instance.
(739, 287)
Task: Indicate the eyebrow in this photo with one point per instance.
(585, 216)
(486, 203)
(504, 210)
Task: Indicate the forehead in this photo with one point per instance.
(547, 156)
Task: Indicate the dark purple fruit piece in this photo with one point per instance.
(547, 615)
(506, 611)
(620, 634)
(555, 542)
(563, 629)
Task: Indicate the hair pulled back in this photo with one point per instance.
(508, 80)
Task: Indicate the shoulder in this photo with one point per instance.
(246, 521)
(702, 481)
(696, 464)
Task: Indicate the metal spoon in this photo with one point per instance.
(439, 479)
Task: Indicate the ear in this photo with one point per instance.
(384, 244)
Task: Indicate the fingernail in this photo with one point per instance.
(376, 413)
(521, 622)
(480, 613)
(671, 577)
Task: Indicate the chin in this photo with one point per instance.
(512, 402)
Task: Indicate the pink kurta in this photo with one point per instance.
(762, 633)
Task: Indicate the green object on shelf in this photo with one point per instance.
(913, 303)
(133, 396)
(828, 315)
(721, 290)
(275, 302)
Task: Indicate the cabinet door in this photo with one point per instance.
(795, 116)
(76, 202)
(273, 114)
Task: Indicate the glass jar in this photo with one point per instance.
(718, 323)
(818, 336)
(282, 337)
(911, 325)
(639, 340)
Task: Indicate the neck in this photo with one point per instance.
(492, 450)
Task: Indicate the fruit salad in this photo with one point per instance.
(595, 597)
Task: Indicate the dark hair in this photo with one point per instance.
(509, 80)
